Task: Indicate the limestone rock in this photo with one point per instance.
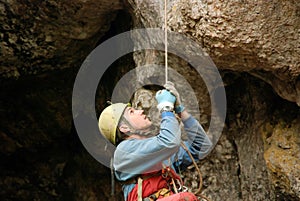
(282, 156)
(255, 45)
(261, 37)
(38, 36)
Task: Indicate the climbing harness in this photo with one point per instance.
(164, 192)
(150, 185)
(140, 189)
(167, 172)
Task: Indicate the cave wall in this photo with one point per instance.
(245, 38)
(38, 36)
(254, 44)
(259, 37)
(42, 156)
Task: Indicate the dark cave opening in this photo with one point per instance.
(246, 94)
(42, 155)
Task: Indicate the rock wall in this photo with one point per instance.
(255, 45)
(39, 36)
(243, 38)
(258, 37)
(42, 46)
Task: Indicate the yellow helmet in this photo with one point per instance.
(109, 120)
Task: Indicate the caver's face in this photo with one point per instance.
(137, 119)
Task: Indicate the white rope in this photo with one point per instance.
(166, 43)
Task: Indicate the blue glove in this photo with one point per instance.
(178, 105)
(165, 100)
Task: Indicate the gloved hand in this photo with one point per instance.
(165, 100)
(178, 106)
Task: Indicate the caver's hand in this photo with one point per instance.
(171, 87)
(165, 100)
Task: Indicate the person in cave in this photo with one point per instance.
(148, 164)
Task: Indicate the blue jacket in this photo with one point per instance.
(137, 156)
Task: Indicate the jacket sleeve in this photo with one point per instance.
(197, 142)
(137, 156)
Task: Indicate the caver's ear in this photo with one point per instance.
(124, 128)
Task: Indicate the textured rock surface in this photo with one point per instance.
(282, 156)
(42, 157)
(259, 37)
(40, 36)
(262, 39)
(255, 44)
